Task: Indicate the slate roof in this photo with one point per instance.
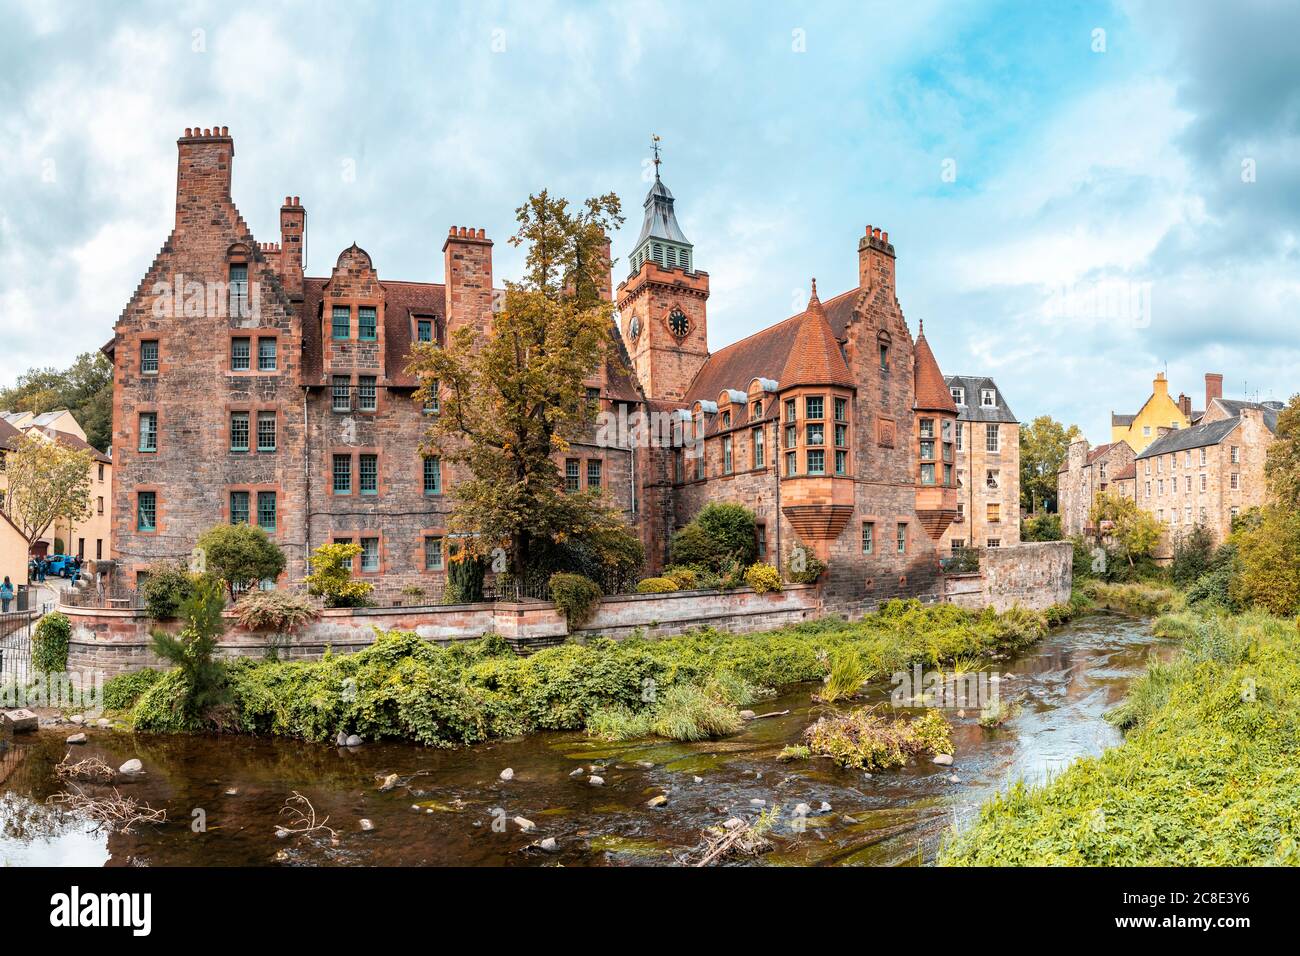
(1198, 436)
(1125, 420)
(660, 220)
(76, 443)
(972, 411)
(1234, 407)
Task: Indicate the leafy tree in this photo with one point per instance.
(720, 534)
(1193, 555)
(1282, 467)
(1043, 447)
(1135, 532)
(241, 555)
(331, 576)
(1267, 569)
(85, 389)
(166, 586)
(513, 402)
(48, 482)
(193, 651)
(1042, 527)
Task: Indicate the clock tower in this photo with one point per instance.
(661, 304)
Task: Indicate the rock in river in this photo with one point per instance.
(508, 774)
(77, 739)
(658, 801)
(524, 824)
(943, 760)
(353, 740)
(131, 766)
(596, 781)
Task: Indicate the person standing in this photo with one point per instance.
(6, 595)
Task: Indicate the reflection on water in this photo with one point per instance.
(445, 814)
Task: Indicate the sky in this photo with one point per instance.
(1080, 194)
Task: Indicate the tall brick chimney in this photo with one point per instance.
(293, 226)
(203, 172)
(1185, 405)
(467, 272)
(875, 260)
(1213, 387)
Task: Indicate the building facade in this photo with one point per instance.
(1160, 411)
(247, 391)
(988, 466)
(1088, 473)
(1209, 473)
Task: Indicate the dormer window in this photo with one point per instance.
(959, 396)
(726, 419)
(367, 324)
(988, 398)
(424, 330)
(755, 411)
(239, 290)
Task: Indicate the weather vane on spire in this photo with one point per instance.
(654, 144)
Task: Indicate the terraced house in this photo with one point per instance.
(988, 466)
(248, 391)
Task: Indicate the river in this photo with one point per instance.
(223, 795)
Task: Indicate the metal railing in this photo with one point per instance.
(123, 599)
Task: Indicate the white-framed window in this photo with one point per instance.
(958, 395)
(988, 398)
(990, 437)
(1234, 481)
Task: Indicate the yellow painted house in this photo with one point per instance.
(1159, 411)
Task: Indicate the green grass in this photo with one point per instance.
(403, 687)
(1134, 597)
(865, 740)
(1207, 776)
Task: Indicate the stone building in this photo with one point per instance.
(988, 466)
(1086, 474)
(247, 391)
(1209, 473)
(1160, 411)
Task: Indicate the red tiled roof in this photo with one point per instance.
(765, 353)
(1125, 473)
(815, 358)
(932, 394)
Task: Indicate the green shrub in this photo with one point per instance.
(280, 611)
(242, 555)
(406, 688)
(864, 740)
(576, 596)
(685, 578)
(123, 691)
(165, 587)
(803, 567)
(655, 586)
(331, 576)
(465, 574)
(1193, 553)
(190, 697)
(50, 643)
(1134, 598)
(719, 534)
(1213, 588)
(1041, 527)
(763, 578)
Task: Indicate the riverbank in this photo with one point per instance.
(1207, 775)
(405, 688)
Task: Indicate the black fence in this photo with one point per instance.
(16, 647)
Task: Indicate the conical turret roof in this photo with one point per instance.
(931, 391)
(816, 358)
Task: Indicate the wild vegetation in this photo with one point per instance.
(1206, 776)
(865, 740)
(404, 687)
(50, 643)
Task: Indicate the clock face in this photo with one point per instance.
(635, 327)
(678, 323)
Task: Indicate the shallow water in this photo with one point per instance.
(445, 814)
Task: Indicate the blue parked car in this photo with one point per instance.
(61, 565)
